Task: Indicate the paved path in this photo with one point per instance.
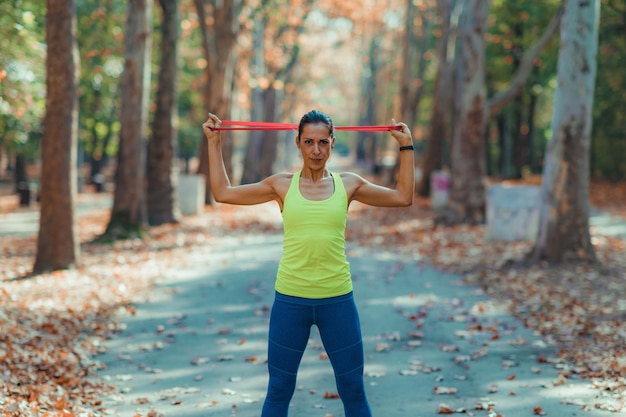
(25, 220)
(198, 347)
(607, 225)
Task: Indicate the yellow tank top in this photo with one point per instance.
(314, 263)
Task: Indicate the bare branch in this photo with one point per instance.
(497, 103)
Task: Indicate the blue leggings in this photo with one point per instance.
(290, 324)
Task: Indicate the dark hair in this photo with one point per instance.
(316, 116)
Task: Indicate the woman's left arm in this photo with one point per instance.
(375, 195)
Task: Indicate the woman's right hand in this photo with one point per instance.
(208, 127)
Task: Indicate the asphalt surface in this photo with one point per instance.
(198, 347)
(25, 221)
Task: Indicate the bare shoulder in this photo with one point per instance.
(351, 181)
(350, 178)
(279, 178)
(280, 182)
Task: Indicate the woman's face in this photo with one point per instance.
(315, 144)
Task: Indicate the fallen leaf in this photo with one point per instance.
(383, 347)
(444, 409)
(445, 390)
(198, 360)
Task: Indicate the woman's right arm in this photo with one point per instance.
(223, 191)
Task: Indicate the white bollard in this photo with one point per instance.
(513, 212)
(191, 194)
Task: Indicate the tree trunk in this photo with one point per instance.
(270, 141)
(366, 141)
(520, 140)
(408, 113)
(20, 174)
(564, 223)
(219, 35)
(439, 119)
(519, 149)
(533, 159)
(98, 157)
(506, 142)
(162, 170)
(467, 194)
(129, 216)
(251, 165)
(57, 242)
(498, 102)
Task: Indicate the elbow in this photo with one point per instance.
(406, 198)
(408, 201)
(403, 202)
(219, 193)
(219, 197)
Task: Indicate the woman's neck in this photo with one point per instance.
(314, 175)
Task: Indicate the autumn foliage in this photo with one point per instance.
(52, 326)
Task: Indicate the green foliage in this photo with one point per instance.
(513, 29)
(22, 75)
(609, 126)
(191, 81)
(102, 63)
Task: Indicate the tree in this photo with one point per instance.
(57, 242)
(524, 64)
(472, 112)
(564, 222)
(162, 170)
(102, 64)
(219, 23)
(609, 137)
(376, 56)
(440, 119)
(128, 215)
(414, 53)
(366, 142)
(467, 196)
(22, 83)
(275, 54)
(516, 141)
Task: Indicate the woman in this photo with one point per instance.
(313, 283)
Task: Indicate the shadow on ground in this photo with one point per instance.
(198, 346)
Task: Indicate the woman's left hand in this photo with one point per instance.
(403, 135)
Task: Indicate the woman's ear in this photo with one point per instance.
(332, 142)
(298, 141)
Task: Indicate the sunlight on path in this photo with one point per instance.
(198, 347)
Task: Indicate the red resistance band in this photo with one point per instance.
(234, 125)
